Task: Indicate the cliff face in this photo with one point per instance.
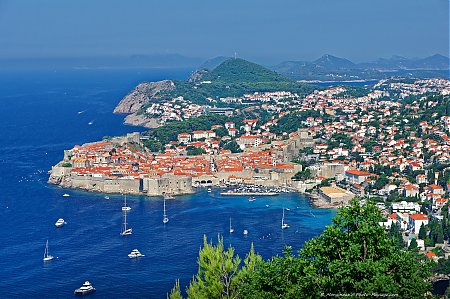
(141, 95)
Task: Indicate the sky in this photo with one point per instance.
(261, 30)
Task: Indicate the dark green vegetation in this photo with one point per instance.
(353, 255)
(240, 70)
(233, 78)
(169, 132)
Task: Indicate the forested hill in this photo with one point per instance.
(233, 78)
(239, 70)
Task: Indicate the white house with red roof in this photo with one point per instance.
(184, 138)
(416, 221)
(356, 176)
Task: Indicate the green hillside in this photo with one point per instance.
(239, 70)
(233, 78)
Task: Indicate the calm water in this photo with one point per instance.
(39, 119)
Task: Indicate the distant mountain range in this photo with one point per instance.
(327, 67)
(333, 68)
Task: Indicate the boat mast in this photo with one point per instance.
(124, 221)
(46, 250)
(165, 209)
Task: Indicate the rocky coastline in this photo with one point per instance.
(319, 202)
(140, 96)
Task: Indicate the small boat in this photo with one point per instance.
(252, 198)
(134, 254)
(209, 190)
(283, 224)
(86, 288)
(168, 196)
(66, 195)
(91, 122)
(106, 197)
(47, 257)
(125, 207)
(60, 222)
(231, 228)
(245, 232)
(125, 229)
(165, 218)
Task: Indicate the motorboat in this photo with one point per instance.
(86, 288)
(168, 196)
(60, 222)
(209, 190)
(106, 197)
(66, 195)
(135, 254)
(245, 232)
(251, 198)
(47, 256)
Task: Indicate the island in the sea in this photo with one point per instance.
(240, 124)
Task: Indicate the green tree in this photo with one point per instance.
(422, 232)
(194, 151)
(175, 293)
(303, 175)
(396, 235)
(428, 242)
(232, 146)
(216, 277)
(413, 246)
(221, 132)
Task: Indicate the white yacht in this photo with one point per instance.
(231, 228)
(125, 207)
(125, 229)
(60, 222)
(209, 190)
(66, 195)
(165, 218)
(47, 257)
(283, 224)
(135, 254)
(245, 232)
(86, 288)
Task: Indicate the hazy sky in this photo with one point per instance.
(258, 30)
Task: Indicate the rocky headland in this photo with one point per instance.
(141, 95)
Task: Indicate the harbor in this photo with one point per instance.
(251, 190)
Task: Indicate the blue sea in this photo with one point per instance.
(42, 113)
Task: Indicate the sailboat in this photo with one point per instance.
(47, 257)
(283, 224)
(125, 230)
(231, 228)
(165, 218)
(125, 208)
